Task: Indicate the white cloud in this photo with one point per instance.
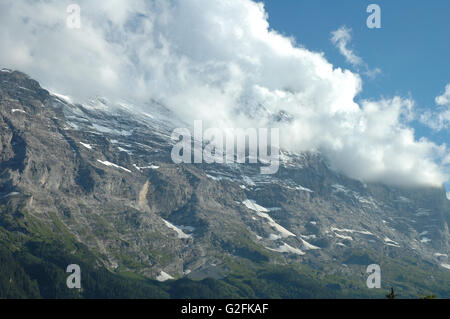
(220, 62)
(446, 159)
(439, 119)
(341, 38)
(436, 120)
(444, 99)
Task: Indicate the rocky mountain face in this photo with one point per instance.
(103, 174)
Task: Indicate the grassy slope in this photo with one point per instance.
(34, 256)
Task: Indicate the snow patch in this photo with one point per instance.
(343, 236)
(423, 212)
(163, 276)
(250, 204)
(340, 188)
(365, 200)
(89, 147)
(73, 125)
(285, 248)
(18, 110)
(106, 163)
(351, 231)
(125, 150)
(148, 115)
(11, 194)
(446, 266)
(308, 246)
(145, 167)
(404, 199)
(274, 237)
(364, 232)
(62, 97)
(261, 211)
(248, 181)
(305, 189)
(214, 178)
(390, 242)
(181, 234)
(24, 88)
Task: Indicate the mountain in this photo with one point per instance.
(94, 184)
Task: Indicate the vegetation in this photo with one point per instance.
(34, 256)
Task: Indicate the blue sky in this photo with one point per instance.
(412, 48)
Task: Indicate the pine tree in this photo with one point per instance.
(391, 295)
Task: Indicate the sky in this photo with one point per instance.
(375, 102)
(412, 47)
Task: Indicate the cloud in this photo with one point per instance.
(341, 39)
(220, 62)
(444, 99)
(440, 119)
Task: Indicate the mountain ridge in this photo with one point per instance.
(106, 179)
